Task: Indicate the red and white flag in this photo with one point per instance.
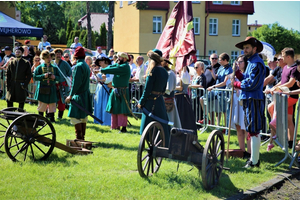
(177, 41)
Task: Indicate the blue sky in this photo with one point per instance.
(286, 13)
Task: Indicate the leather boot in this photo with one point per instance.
(41, 113)
(51, 116)
(78, 131)
(123, 130)
(83, 126)
(60, 114)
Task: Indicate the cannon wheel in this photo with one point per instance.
(153, 136)
(4, 123)
(29, 136)
(213, 160)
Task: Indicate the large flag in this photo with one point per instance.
(177, 42)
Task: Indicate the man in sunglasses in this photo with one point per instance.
(67, 59)
(209, 73)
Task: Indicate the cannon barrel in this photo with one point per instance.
(179, 131)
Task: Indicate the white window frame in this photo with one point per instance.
(131, 2)
(121, 4)
(234, 55)
(211, 24)
(157, 23)
(211, 52)
(217, 2)
(236, 26)
(196, 30)
(235, 3)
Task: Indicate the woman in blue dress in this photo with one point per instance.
(102, 91)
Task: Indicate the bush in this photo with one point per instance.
(62, 37)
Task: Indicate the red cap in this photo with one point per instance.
(79, 52)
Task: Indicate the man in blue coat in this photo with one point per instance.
(251, 84)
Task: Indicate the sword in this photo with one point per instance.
(149, 114)
(87, 112)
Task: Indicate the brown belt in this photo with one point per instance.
(156, 93)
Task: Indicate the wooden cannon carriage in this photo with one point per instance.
(32, 136)
(183, 146)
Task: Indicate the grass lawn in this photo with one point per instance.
(111, 171)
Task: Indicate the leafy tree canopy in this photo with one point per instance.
(278, 36)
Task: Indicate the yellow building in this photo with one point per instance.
(253, 27)
(218, 25)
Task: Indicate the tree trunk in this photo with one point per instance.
(111, 6)
(89, 28)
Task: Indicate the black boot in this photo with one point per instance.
(60, 114)
(41, 113)
(51, 116)
(123, 130)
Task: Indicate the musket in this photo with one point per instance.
(100, 82)
(86, 111)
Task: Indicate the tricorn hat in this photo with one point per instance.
(253, 41)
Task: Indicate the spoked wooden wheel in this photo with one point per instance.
(213, 160)
(29, 136)
(5, 122)
(153, 136)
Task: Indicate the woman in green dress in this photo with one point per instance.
(152, 98)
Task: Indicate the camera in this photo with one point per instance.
(208, 67)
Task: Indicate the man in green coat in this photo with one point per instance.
(80, 93)
(46, 74)
(118, 103)
(18, 77)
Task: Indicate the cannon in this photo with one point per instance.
(32, 136)
(183, 146)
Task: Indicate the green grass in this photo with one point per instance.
(111, 171)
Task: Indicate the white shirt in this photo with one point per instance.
(140, 72)
(42, 45)
(132, 67)
(98, 55)
(74, 45)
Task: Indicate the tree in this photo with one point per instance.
(89, 28)
(62, 36)
(32, 11)
(110, 32)
(278, 36)
(50, 30)
(69, 28)
(103, 33)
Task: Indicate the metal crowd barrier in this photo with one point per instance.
(281, 140)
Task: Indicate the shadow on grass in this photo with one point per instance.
(114, 146)
(53, 158)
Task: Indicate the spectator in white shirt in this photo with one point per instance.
(76, 43)
(44, 43)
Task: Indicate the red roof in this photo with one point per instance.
(247, 7)
(158, 5)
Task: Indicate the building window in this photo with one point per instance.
(211, 52)
(234, 55)
(196, 22)
(121, 4)
(195, 1)
(235, 27)
(131, 2)
(249, 28)
(213, 26)
(235, 3)
(157, 24)
(217, 2)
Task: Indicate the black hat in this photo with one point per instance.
(7, 48)
(102, 59)
(20, 48)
